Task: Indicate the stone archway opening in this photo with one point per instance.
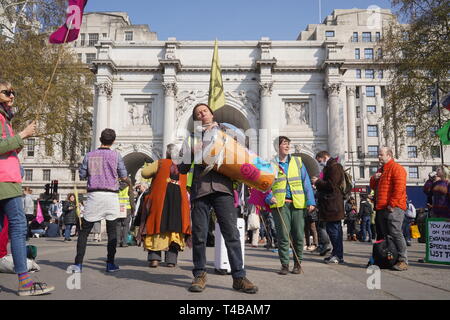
(233, 116)
(134, 162)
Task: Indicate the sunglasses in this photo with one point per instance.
(8, 93)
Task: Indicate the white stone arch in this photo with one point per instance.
(134, 156)
(183, 122)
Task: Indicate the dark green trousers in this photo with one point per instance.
(294, 225)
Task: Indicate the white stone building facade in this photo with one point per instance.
(324, 90)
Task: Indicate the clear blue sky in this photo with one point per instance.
(228, 19)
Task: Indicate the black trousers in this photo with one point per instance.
(86, 227)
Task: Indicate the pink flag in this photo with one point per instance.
(70, 30)
(39, 215)
(258, 198)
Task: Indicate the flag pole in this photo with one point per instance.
(440, 120)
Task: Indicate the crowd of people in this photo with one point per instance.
(300, 212)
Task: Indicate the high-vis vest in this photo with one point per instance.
(9, 162)
(123, 198)
(294, 178)
(190, 174)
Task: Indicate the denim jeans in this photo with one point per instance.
(171, 255)
(365, 225)
(13, 208)
(68, 230)
(406, 228)
(324, 239)
(86, 227)
(223, 205)
(334, 230)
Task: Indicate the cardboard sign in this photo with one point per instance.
(438, 241)
(123, 211)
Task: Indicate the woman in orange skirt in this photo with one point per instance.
(168, 220)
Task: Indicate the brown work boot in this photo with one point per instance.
(400, 266)
(297, 268)
(199, 283)
(244, 285)
(284, 269)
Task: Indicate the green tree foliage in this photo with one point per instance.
(416, 53)
(65, 117)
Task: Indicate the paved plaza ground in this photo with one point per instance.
(320, 281)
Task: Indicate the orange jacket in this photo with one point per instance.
(390, 188)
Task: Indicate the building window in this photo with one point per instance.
(28, 174)
(413, 172)
(410, 131)
(31, 144)
(93, 39)
(377, 36)
(435, 151)
(383, 92)
(358, 132)
(412, 152)
(329, 34)
(104, 35)
(366, 37)
(357, 54)
(372, 108)
(372, 151)
(380, 53)
(361, 173)
(128, 35)
(80, 57)
(358, 73)
(355, 37)
(372, 131)
(83, 39)
(359, 152)
(368, 53)
(370, 91)
(380, 74)
(90, 57)
(46, 174)
(372, 170)
(358, 112)
(73, 173)
(370, 74)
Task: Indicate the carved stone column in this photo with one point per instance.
(265, 136)
(170, 91)
(104, 93)
(351, 117)
(334, 146)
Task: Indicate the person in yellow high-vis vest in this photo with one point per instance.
(126, 200)
(291, 195)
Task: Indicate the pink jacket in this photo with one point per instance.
(9, 162)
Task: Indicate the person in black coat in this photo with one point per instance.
(69, 215)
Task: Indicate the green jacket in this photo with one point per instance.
(10, 189)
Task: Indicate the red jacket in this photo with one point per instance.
(390, 188)
(4, 239)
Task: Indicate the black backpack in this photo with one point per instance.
(384, 253)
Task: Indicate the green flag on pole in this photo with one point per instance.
(216, 97)
(444, 133)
